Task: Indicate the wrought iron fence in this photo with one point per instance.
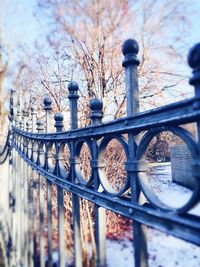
(38, 155)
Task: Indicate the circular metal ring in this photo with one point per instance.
(187, 138)
(64, 172)
(48, 165)
(78, 172)
(102, 166)
(29, 153)
(35, 151)
(41, 153)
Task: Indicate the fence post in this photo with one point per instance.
(40, 126)
(96, 106)
(18, 191)
(29, 199)
(26, 179)
(17, 119)
(21, 124)
(33, 114)
(73, 102)
(11, 182)
(15, 191)
(58, 117)
(73, 99)
(48, 108)
(194, 63)
(25, 117)
(34, 255)
(40, 129)
(130, 50)
(22, 177)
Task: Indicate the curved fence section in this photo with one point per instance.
(5, 150)
(42, 160)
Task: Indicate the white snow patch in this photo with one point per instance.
(119, 253)
(163, 251)
(167, 251)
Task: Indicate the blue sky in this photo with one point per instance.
(19, 23)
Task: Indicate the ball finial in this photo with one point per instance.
(25, 112)
(40, 125)
(194, 56)
(33, 109)
(96, 104)
(47, 102)
(58, 117)
(130, 46)
(73, 86)
(194, 62)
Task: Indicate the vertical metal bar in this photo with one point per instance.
(9, 210)
(29, 202)
(61, 227)
(49, 220)
(19, 208)
(40, 128)
(96, 106)
(34, 195)
(194, 63)
(25, 182)
(15, 192)
(22, 206)
(14, 224)
(22, 209)
(58, 117)
(34, 222)
(130, 49)
(10, 182)
(33, 114)
(41, 205)
(47, 107)
(25, 214)
(73, 97)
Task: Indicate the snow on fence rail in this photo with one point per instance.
(37, 162)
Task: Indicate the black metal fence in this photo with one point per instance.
(38, 155)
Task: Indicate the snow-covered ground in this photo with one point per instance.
(163, 250)
(167, 191)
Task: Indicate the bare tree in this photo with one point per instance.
(93, 32)
(3, 69)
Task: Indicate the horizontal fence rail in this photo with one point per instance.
(37, 155)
